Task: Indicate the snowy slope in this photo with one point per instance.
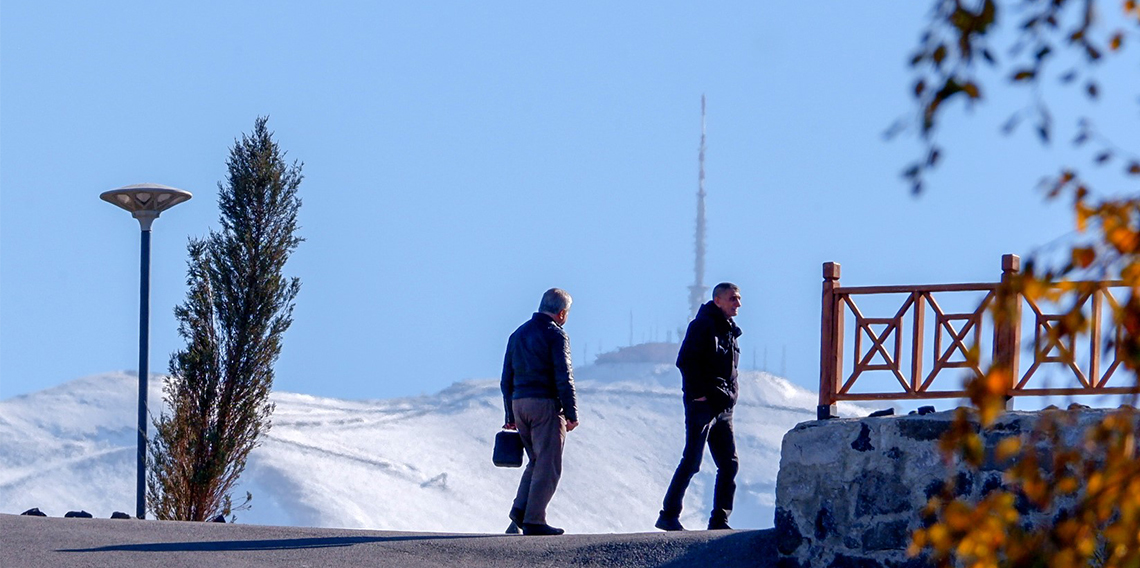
(420, 463)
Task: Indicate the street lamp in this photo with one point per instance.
(144, 201)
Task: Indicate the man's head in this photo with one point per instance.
(556, 304)
(726, 296)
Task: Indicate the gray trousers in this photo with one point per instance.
(543, 430)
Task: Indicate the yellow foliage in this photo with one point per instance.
(1083, 497)
(1084, 213)
(1123, 239)
(1083, 257)
(1007, 448)
(1066, 486)
(1096, 481)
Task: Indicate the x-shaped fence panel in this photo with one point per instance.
(897, 344)
(1051, 343)
(879, 341)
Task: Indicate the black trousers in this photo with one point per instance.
(704, 424)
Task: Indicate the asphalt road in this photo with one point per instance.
(53, 542)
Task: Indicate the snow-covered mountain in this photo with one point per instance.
(420, 463)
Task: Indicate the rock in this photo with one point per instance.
(886, 536)
(120, 515)
(218, 519)
(934, 488)
(844, 561)
(863, 442)
(855, 506)
(923, 430)
(963, 484)
(883, 412)
(918, 562)
(879, 493)
(991, 483)
(78, 515)
(34, 512)
(924, 410)
(824, 523)
(788, 536)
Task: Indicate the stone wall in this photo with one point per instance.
(849, 491)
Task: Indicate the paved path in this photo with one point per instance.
(37, 542)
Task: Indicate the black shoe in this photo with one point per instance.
(516, 516)
(540, 529)
(668, 523)
(719, 524)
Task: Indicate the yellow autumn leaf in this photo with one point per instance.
(958, 517)
(1083, 214)
(1130, 274)
(1007, 448)
(1066, 485)
(1083, 257)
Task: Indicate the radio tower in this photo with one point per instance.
(698, 290)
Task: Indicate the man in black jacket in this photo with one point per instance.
(538, 394)
(708, 359)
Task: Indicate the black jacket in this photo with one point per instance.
(709, 356)
(537, 365)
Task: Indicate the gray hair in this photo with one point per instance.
(724, 287)
(555, 300)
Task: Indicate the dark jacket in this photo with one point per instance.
(537, 365)
(709, 356)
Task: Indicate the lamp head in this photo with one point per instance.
(145, 200)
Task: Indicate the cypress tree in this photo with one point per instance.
(238, 305)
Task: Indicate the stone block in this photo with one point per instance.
(991, 482)
(788, 535)
(963, 484)
(844, 561)
(803, 444)
(891, 535)
(824, 523)
(879, 493)
(849, 490)
(923, 429)
(863, 442)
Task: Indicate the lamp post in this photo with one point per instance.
(144, 201)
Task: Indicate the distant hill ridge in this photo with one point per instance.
(414, 463)
(656, 353)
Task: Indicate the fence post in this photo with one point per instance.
(1007, 323)
(830, 343)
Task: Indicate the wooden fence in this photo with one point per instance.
(896, 346)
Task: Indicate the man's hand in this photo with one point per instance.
(510, 426)
(570, 426)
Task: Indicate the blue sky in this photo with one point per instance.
(460, 158)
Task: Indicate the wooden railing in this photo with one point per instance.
(880, 349)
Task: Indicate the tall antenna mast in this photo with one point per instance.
(698, 289)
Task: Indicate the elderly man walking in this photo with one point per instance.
(708, 360)
(538, 394)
